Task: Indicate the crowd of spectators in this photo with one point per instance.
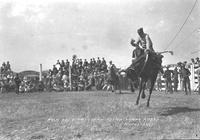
(64, 76)
(6, 77)
(180, 74)
(5, 68)
(10, 81)
(84, 74)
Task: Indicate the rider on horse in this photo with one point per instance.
(144, 41)
(143, 46)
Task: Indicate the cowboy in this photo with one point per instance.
(168, 80)
(185, 73)
(137, 50)
(144, 41)
(175, 79)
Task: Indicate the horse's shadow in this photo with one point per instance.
(176, 110)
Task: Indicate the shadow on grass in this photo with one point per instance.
(175, 110)
(127, 92)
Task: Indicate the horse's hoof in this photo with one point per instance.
(143, 96)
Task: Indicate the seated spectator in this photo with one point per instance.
(41, 86)
(91, 82)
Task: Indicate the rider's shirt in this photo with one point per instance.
(137, 52)
(145, 42)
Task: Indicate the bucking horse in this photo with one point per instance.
(146, 68)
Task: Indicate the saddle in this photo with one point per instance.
(154, 60)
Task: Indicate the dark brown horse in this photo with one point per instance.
(145, 68)
(149, 71)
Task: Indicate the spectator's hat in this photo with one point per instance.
(183, 64)
(179, 63)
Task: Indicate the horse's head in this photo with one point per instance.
(131, 74)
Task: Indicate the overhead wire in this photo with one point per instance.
(187, 37)
(170, 43)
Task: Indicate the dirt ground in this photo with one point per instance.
(98, 115)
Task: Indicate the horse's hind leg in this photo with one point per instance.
(140, 90)
(143, 90)
(150, 91)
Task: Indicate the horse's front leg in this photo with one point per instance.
(140, 90)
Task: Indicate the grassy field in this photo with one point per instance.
(98, 115)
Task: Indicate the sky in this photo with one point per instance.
(44, 31)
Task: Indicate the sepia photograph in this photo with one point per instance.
(99, 69)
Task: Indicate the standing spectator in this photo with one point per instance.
(67, 63)
(185, 73)
(55, 70)
(103, 65)
(66, 68)
(45, 82)
(159, 82)
(3, 67)
(103, 61)
(8, 68)
(91, 63)
(192, 60)
(17, 83)
(98, 65)
(49, 81)
(197, 60)
(85, 64)
(58, 65)
(62, 64)
(168, 81)
(175, 79)
(94, 62)
(98, 61)
(198, 73)
(197, 63)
